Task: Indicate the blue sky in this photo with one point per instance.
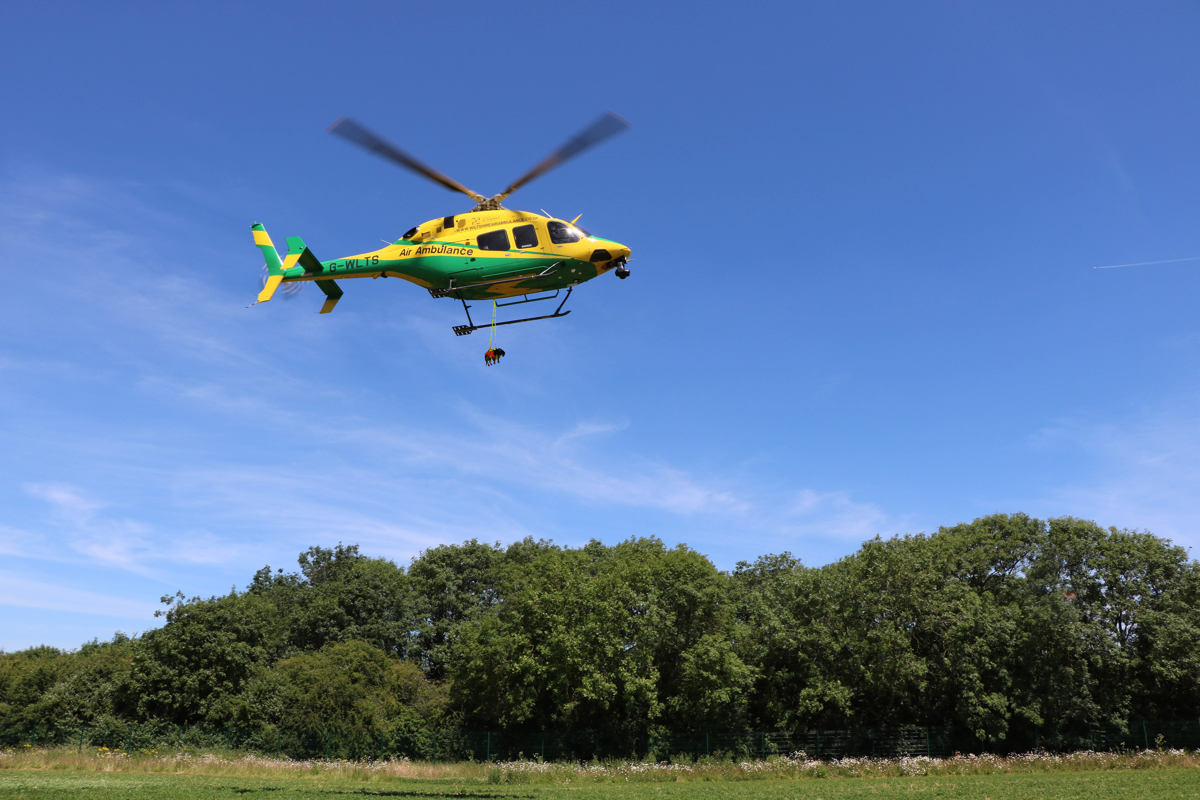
(863, 297)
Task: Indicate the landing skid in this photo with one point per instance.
(463, 330)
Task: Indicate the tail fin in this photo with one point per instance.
(298, 253)
(271, 256)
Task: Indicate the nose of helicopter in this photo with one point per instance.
(621, 261)
(617, 257)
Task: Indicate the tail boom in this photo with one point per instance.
(298, 255)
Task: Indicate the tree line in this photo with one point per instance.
(1000, 629)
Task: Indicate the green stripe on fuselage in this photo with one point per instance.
(445, 271)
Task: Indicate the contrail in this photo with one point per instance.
(1148, 263)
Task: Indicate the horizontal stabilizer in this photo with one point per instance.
(332, 291)
(298, 253)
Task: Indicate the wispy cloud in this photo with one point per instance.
(84, 532)
(1142, 473)
(66, 501)
(836, 514)
(21, 592)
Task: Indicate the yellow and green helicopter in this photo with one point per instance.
(487, 253)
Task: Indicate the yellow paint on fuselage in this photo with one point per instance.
(460, 239)
(435, 238)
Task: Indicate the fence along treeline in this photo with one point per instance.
(1004, 631)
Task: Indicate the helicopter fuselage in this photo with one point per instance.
(481, 255)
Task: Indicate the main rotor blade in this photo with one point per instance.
(349, 129)
(598, 131)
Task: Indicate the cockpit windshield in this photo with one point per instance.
(564, 232)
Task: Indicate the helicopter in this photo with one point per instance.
(488, 253)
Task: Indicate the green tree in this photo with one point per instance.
(191, 669)
(450, 585)
(1169, 630)
(607, 640)
(981, 621)
(25, 676)
(346, 595)
(92, 688)
(346, 686)
(869, 610)
(938, 629)
(787, 633)
(704, 682)
(1134, 597)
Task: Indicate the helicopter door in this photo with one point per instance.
(490, 241)
(524, 237)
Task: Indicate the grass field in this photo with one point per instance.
(41, 775)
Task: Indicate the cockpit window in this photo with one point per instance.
(525, 236)
(494, 240)
(412, 232)
(563, 233)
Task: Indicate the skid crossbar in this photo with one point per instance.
(463, 330)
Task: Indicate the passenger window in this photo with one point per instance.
(525, 236)
(494, 240)
(562, 233)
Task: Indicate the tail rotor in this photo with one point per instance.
(288, 291)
